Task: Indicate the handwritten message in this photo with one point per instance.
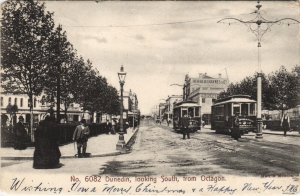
(153, 185)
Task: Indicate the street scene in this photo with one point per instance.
(159, 150)
(158, 97)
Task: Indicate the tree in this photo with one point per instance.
(284, 87)
(25, 31)
(296, 72)
(61, 58)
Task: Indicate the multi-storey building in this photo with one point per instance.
(40, 108)
(130, 105)
(204, 89)
(169, 105)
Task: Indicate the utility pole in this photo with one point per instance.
(256, 27)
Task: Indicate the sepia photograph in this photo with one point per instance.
(150, 97)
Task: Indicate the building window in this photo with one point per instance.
(1, 101)
(203, 100)
(28, 102)
(34, 102)
(16, 101)
(21, 102)
(9, 100)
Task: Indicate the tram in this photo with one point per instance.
(189, 109)
(224, 110)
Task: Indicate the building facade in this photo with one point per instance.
(40, 109)
(204, 90)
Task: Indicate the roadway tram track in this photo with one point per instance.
(274, 155)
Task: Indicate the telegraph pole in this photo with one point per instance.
(259, 26)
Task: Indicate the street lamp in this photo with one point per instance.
(121, 142)
(256, 27)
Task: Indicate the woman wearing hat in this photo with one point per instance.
(20, 134)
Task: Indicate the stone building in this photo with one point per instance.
(204, 90)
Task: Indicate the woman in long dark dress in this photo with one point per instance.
(46, 153)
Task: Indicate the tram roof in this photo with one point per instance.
(236, 100)
(186, 104)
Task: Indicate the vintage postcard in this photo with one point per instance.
(150, 97)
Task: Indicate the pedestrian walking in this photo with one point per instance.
(80, 135)
(285, 122)
(46, 153)
(185, 127)
(236, 133)
(108, 127)
(113, 126)
(20, 135)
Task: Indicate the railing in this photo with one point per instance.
(65, 133)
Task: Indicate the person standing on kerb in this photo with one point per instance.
(185, 127)
(236, 134)
(285, 122)
(46, 153)
(80, 135)
(20, 135)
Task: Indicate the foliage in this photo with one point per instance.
(38, 58)
(25, 30)
(280, 90)
(284, 88)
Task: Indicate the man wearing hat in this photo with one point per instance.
(236, 134)
(20, 134)
(80, 135)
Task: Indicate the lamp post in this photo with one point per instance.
(121, 142)
(259, 26)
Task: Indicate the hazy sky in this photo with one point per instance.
(115, 33)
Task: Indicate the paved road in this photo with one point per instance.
(161, 151)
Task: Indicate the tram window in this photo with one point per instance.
(236, 109)
(219, 111)
(252, 109)
(184, 112)
(197, 113)
(191, 112)
(244, 109)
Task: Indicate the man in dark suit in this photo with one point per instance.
(236, 133)
(185, 127)
(20, 134)
(80, 135)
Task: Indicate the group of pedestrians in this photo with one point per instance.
(47, 154)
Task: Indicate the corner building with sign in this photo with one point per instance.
(204, 89)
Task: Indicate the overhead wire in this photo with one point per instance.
(149, 24)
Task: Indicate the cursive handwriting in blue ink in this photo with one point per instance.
(250, 187)
(221, 189)
(19, 185)
(114, 189)
(149, 188)
(270, 186)
(76, 187)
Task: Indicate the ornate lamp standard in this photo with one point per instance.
(121, 142)
(259, 26)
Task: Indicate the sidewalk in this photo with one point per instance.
(289, 133)
(98, 146)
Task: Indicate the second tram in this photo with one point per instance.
(187, 109)
(224, 110)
